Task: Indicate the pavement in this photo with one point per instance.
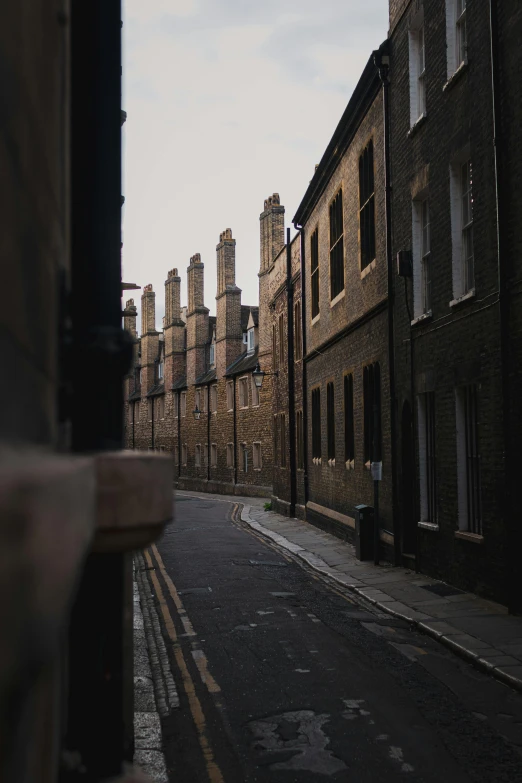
(149, 698)
(476, 629)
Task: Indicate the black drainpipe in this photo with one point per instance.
(208, 433)
(152, 399)
(510, 516)
(291, 373)
(179, 434)
(235, 434)
(303, 362)
(382, 62)
(133, 427)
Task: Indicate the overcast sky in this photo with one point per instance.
(228, 101)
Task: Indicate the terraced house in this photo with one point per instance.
(191, 391)
(406, 276)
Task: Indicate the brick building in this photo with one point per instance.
(449, 346)
(190, 391)
(406, 274)
(338, 276)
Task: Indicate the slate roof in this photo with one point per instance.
(156, 390)
(245, 363)
(245, 313)
(181, 383)
(207, 377)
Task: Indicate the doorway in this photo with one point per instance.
(409, 527)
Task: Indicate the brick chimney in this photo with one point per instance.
(149, 338)
(272, 235)
(272, 230)
(174, 330)
(197, 320)
(129, 317)
(229, 336)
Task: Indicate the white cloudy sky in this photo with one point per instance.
(228, 101)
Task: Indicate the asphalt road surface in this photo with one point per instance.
(283, 677)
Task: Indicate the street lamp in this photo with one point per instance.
(258, 375)
(197, 413)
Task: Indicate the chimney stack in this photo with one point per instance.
(148, 310)
(226, 261)
(196, 294)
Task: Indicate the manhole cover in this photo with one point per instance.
(443, 590)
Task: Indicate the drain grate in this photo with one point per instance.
(442, 590)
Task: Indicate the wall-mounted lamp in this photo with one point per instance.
(258, 375)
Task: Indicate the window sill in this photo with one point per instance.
(350, 464)
(475, 538)
(428, 526)
(462, 299)
(331, 462)
(243, 407)
(454, 78)
(316, 460)
(368, 269)
(421, 318)
(417, 124)
(314, 320)
(337, 298)
(257, 470)
(368, 465)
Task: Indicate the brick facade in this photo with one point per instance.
(174, 372)
(424, 308)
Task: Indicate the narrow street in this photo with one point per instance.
(283, 677)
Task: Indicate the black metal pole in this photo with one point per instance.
(208, 433)
(510, 513)
(291, 374)
(235, 434)
(376, 457)
(179, 434)
(152, 406)
(382, 62)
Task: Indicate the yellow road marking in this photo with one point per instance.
(198, 716)
(187, 625)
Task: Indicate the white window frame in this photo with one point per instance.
(421, 247)
(212, 354)
(213, 455)
(230, 395)
(462, 228)
(456, 36)
(213, 398)
(257, 456)
(255, 393)
(251, 340)
(422, 438)
(160, 371)
(243, 392)
(417, 56)
(230, 455)
(183, 404)
(462, 472)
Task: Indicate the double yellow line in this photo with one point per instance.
(198, 716)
